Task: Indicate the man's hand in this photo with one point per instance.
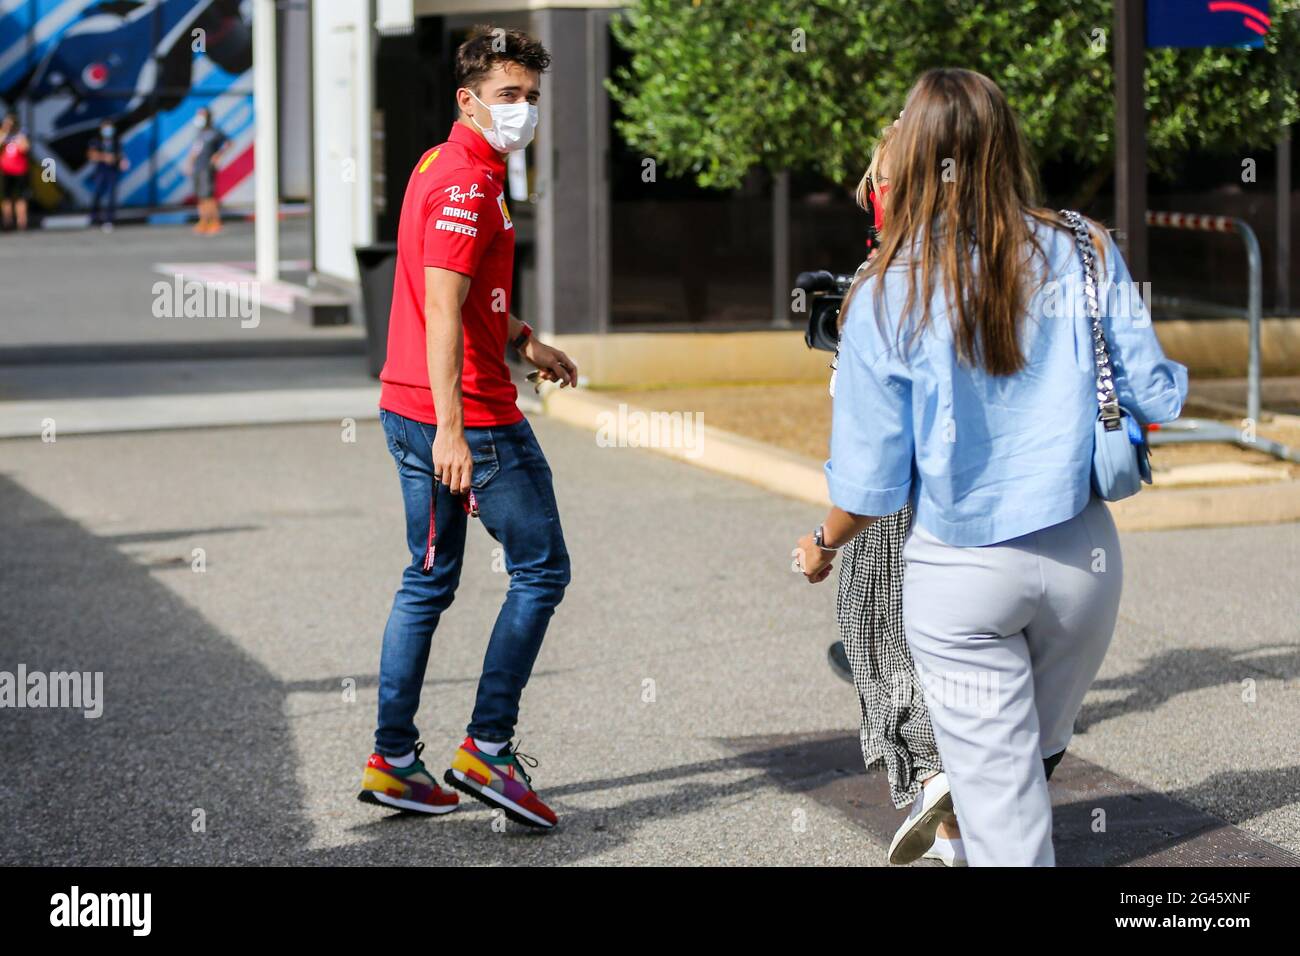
(553, 364)
(453, 464)
(814, 562)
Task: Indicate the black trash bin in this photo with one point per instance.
(377, 266)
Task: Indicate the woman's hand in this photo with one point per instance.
(814, 562)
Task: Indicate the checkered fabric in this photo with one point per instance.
(895, 723)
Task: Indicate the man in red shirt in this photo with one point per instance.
(461, 444)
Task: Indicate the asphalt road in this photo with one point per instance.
(683, 636)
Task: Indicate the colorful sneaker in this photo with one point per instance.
(406, 788)
(500, 781)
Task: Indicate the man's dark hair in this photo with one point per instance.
(487, 46)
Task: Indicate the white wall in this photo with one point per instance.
(342, 194)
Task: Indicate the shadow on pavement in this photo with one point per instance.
(1099, 818)
(1184, 670)
(189, 721)
(172, 534)
(466, 836)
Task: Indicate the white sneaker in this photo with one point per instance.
(916, 835)
(946, 851)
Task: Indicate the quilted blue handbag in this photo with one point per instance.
(1120, 454)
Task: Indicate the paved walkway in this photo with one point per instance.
(682, 709)
(74, 293)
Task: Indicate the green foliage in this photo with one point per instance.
(716, 87)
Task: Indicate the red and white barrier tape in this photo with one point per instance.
(1190, 220)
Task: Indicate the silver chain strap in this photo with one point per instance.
(1107, 401)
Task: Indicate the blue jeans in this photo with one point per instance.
(104, 180)
(512, 483)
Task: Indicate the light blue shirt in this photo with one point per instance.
(983, 458)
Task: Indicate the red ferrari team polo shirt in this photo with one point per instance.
(454, 216)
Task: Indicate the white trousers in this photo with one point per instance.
(1007, 639)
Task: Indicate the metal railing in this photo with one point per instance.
(1187, 430)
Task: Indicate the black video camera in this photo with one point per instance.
(825, 292)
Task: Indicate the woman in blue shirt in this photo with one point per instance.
(966, 387)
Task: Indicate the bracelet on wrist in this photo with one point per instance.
(819, 539)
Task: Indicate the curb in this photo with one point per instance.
(799, 477)
(332, 345)
(163, 216)
(1209, 507)
(26, 419)
(1221, 474)
(106, 416)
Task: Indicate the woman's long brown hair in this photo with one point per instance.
(963, 193)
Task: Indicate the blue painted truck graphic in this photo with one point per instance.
(147, 66)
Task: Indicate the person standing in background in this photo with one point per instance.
(204, 158)
(105, 152)
(15, 178)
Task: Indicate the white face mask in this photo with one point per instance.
(200, 122)
(513, 125)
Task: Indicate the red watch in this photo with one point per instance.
(525, 333)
